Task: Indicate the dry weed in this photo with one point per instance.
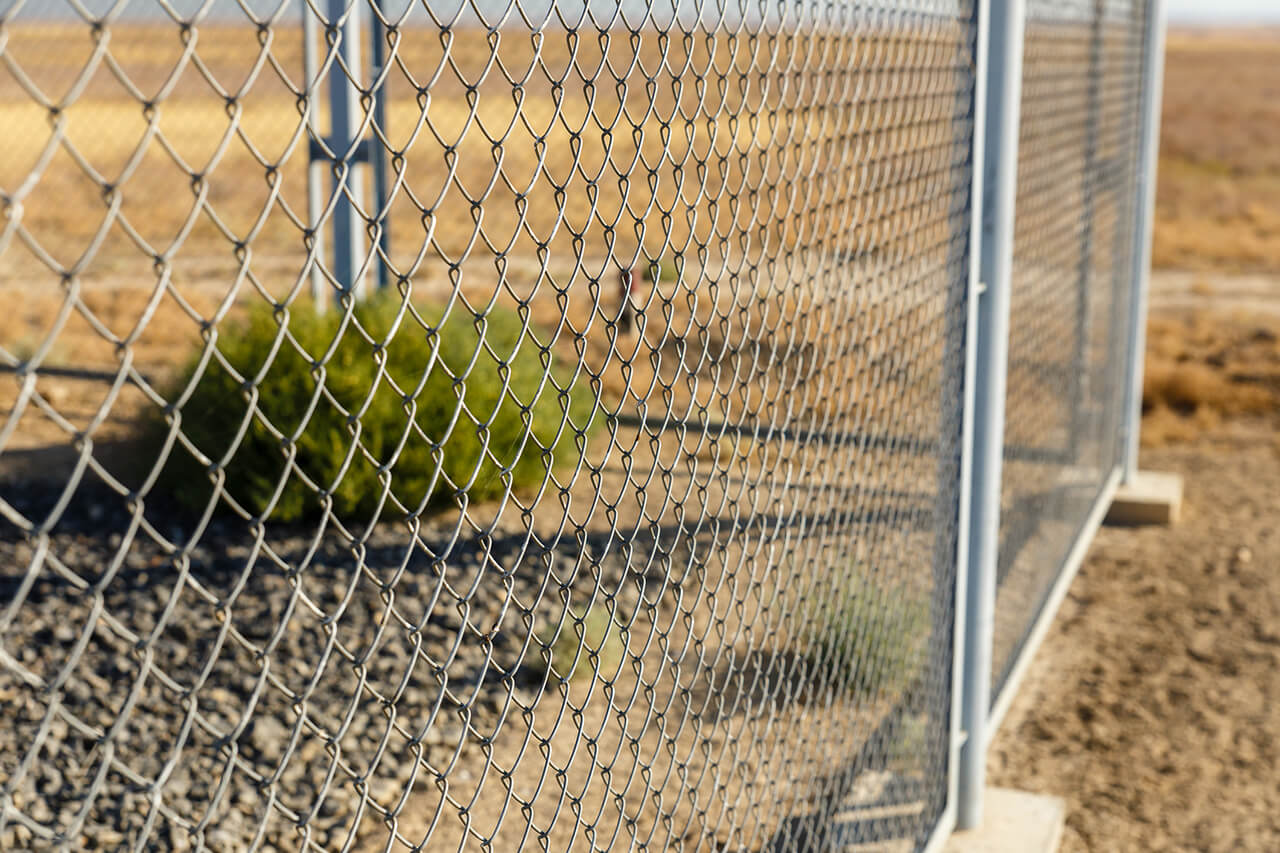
(1201, 369)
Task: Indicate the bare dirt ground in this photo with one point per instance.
(1152, 707)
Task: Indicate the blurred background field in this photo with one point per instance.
(175, 215)
(1215, 313)
(1218, 204)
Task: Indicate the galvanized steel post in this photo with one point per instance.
(1152, 95)
(349, 259)
(315, 167)
(1003, 84)
(378, 154)
(973, 272)
(1080, 418)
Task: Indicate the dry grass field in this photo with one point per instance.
(1219, 192)
(517, 149)
(1212, 340)
(526, 179)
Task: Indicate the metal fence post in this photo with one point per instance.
(968, 373)
(344, 135)
(1152, 96)
(1003, 84)
(378, 154)
(1079, 419)
(315, 167)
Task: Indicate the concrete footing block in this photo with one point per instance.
(1150, 497)
(1014, 822)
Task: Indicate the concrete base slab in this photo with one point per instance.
(1151, 497)
(1014, 822)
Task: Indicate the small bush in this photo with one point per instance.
(349, 419)
(662, 271)
(588, 642)
(868, 639)
(910, 744)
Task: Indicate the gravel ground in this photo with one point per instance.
(254, 637)
(1154, 704)
(286, 692)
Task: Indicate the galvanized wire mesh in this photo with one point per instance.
(1073, 255)
(686, 288)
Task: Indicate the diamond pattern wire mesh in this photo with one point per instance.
(509, 556)
(1081, 122)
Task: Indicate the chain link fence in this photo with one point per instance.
(534, 425)
(623, 517)
(1072, 290)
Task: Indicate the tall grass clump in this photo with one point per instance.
(588, 641)
(868, 639)
(396, 394)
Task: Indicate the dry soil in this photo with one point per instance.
(1153, 705)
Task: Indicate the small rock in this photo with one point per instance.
(40, 812)
(311, 749)
(443, 734)
(385, 791)
(50, 778)
(1201, 644)
(269, 734)
(1246, 752)
(177, 785)
(109, 839)
(179, 840)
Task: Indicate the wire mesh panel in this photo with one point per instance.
(623, 517)
(1073, 245)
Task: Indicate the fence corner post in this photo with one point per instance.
(349, 253)
(1003, 87)
(1144, 221)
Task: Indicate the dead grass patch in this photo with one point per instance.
(1203, 368)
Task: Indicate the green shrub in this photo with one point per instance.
(661, 271)
(868, 639)
(432, 449)
(588, 642)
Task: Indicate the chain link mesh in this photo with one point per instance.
(1073, 254)
(722, 251)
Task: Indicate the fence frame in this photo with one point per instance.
(999, 33)
(999, 168)
(983, 715)
(957, 737)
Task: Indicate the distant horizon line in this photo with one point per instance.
(1264, 25)
(1230, 19)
